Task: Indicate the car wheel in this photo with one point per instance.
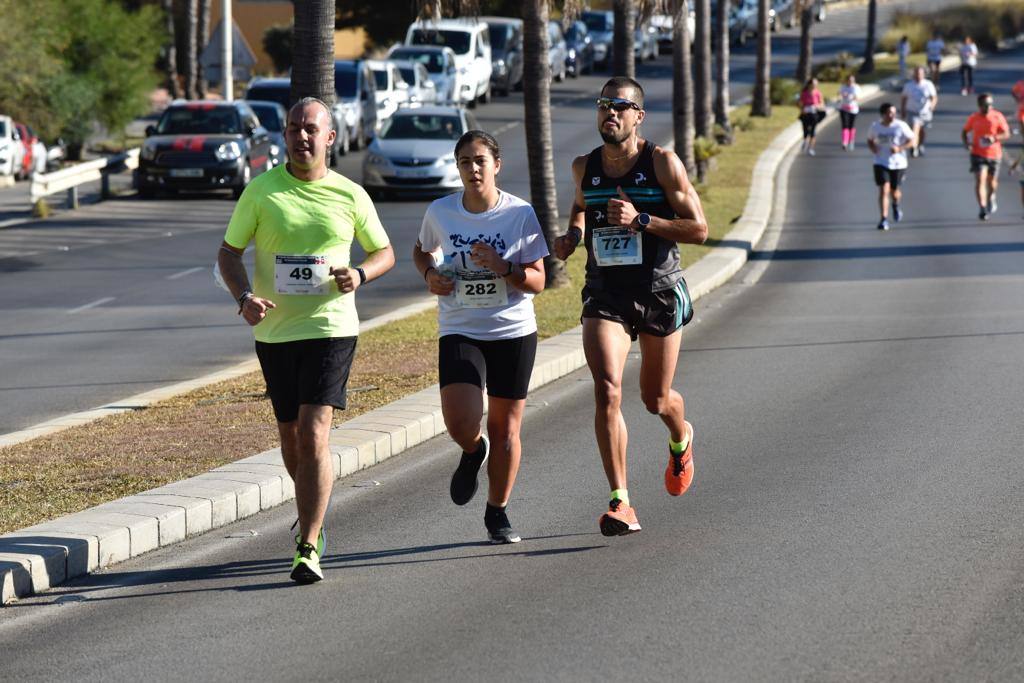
(236, 192)
(486, 96)
(146, 193)
(360, 141)
(345, 145)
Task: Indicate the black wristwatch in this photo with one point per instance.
(362, 275)
(642, 221)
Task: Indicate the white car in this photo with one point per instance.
(12, 153)
(421, 88)
(392, 90)
(470, 41)
(440, 65)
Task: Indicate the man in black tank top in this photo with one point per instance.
(633, 204)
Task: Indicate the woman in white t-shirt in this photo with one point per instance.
(968, 60)
(481, 251)
(849, 107)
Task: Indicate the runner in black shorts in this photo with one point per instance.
(482, 252)
(633, 204)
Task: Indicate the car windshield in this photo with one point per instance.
(345, 82)
(572, 33)
(458, 41)
(422, 127)
(499, 35)
(434, 61)
(3, 128)
(198, 119)
(273, 93)
(381, 77)
(597, 22)
(408, 74)
(268, 116)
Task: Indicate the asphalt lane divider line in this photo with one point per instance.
(185, 272)
(92, 304)
(45, 555)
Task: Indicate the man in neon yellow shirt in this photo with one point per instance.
(303, 218)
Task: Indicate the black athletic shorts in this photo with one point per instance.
(504, 366)
(309, 371)
(977, 162)
(893, 176)
(656, 313)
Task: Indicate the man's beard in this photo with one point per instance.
(615, 137)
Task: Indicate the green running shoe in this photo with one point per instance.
(306, 566)
(321, 539)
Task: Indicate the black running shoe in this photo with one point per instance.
(464, 480)
(499, 529)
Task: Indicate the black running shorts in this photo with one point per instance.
(991, 164)
(655, 313)
(893, 176)
(504, 366)
(309, 371)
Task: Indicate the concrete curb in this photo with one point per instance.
(40, 557)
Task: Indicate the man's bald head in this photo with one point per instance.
(314, 101)
(309, 137)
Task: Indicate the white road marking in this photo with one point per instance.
(98, 302)
(507, 127)
(184, 273)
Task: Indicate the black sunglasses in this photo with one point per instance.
(617, 103)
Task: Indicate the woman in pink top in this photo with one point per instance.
(812, 111)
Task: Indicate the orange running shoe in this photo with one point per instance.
(619, 520)
(679, 473)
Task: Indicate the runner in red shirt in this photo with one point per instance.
(1018, 95)
(987, 129)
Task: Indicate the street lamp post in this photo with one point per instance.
(226, 65)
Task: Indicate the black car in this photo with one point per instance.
(580, 55)
(201, 145)
(274, 118)
(506, 38)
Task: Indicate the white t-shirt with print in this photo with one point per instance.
(896, 133)
(934, 48)
(919, 96)
(449, 232)
(848, 96)
(969, 54)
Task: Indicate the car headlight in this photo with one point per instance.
(148, 151)
(229, 151)
(373, 159)
(572, 53)
(499, 66)
(275, 151)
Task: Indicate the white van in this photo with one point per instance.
(471, 44)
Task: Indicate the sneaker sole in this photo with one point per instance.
(305, 575)
(693, 437)
(616, 527)
(504, 540)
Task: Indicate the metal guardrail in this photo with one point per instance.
(68, 179)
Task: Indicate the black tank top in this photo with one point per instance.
(660, 267)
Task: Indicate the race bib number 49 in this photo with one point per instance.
(301, 274)
(616, 246)
(480, 289)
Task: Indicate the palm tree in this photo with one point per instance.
(803, 67)
(762, 104)
(191, 63)
(682, 85)
(313, 45)
(172, 48)
(202, 38)
(722, 72)
(623, 59)
(702, 114)
(868, 65)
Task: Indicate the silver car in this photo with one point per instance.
(421, 88)
(440, 64)
(557, 51)
(415, 152)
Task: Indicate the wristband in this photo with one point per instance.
(245, 296)
(362, 275)
(573, 230)
(427, 272)
(509, 271)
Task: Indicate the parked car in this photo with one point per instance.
(274, 118)
(392, 90)
(601, 26)
(35, 151)
(743, 21)
(280, 90)
(558, 52)
(415, 151)
(579, 57)
(440, 65)
(12, 153)
(421, 88)
(356, 104)
(203, 145)
(470, 42)
(786, 13)
(645, 41)
(506, 37)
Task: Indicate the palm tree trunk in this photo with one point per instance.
(703, 120)
(313, 46)
(682, 86)
(868, 65)
(762, 104)
(722, 72)
(172, 49)
(803, 67)
(191, 64)
(202, 38)
(537, 110)
(623, 59)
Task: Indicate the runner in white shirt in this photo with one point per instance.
(849, 107)
(482, 252)
(888, 139)
(968, 60)
(933, 52)
(903, 52)
(917, 105)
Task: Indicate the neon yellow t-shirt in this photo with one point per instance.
(303, 228)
